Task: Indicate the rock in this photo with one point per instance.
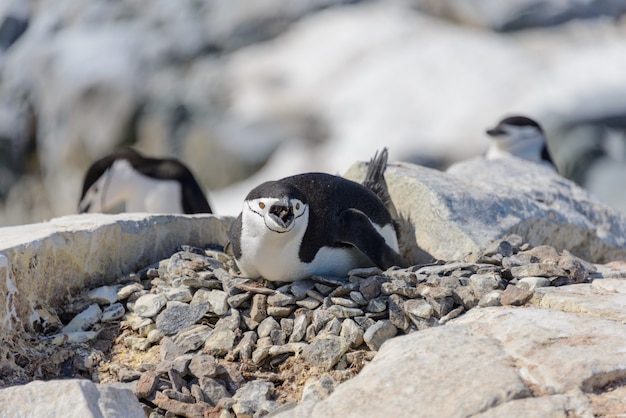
(516, 296)
(148, 306)
(527, 335)
(266, 326)
(481, 284)
(258, 311)
(352, 332)
(590, 299)
(219, 342)
(88, 400)
(281, 299)
(309, 303)
(104, 295)
(397, 316)
(491, 299)
(213, 390)
(318, 389)
(146, 384)
(531, 283)
(254, 391)
(67, 245)
(192, 337)
(113, 313)
(469, 215)
(154, 336)
(377, 305)
(180, 316)
(280, 311)
(346, 303)
(232, 322)
(299, 288)
(343, 312)
(418, 308)
(219, 302)
(203, 365)
(191, 410)
(76, 337)
(378, 333)
(84, 320)
(244, 348)
(178, 294)
(128, 290)
(538, 270)
(300, 324)
(325, 352)
(370, 288)
(414, 363)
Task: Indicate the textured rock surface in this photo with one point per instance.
(69, 398)
(549, 362)
(477, 201)
(39, 262)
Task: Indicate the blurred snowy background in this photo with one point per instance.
(248, 90)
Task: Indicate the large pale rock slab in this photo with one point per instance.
(603, 298)
(420, 374)
(40, 264)
(448, 214)
(490, 362)
(555, 352)
(69, 398)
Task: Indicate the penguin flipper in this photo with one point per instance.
(233, 246)
(356, 229)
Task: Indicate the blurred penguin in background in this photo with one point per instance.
(520, 137)
(126, 181)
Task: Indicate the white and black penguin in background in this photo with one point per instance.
(521, 137)
(142, 184)
(314, 224)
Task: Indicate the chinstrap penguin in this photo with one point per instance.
(142, 184)
(521, 137)
(313, 224)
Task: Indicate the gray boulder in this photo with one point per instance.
(449, 214)
(43, 262)
(69, 398)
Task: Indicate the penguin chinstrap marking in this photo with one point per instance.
(312, 224)
(141, 184)
(520, 137)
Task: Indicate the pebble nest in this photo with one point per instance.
(192, 338)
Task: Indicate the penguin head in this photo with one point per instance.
(94, 194)
(92, 198)
(521, 137)
(275, 207)
(106, 182)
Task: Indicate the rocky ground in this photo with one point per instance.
(191, 338)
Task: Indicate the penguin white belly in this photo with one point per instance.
(283, 263)
(155, 196)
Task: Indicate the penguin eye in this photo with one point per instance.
(262, 205)
(297, 206)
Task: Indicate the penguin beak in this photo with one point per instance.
(495, 131)
(282, 213)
